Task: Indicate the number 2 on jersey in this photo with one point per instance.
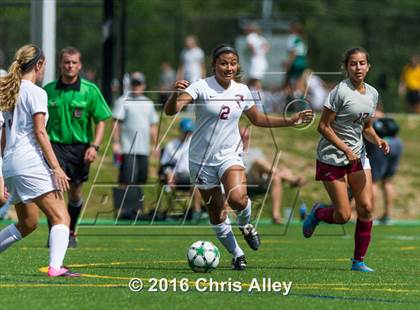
(224, 113)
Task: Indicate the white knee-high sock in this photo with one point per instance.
(227, 238)
(244, 216)
(8, 236)
(59, 240)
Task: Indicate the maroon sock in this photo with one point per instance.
(325, 215)
(362, 236)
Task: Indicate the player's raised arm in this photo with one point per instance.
(178, 99)
(263, 120)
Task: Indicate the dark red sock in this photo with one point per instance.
(325, 215)
(362, 236)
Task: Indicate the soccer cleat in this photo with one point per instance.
(239, 263)
(72, 241)
(310, 222)
(360, 266)
(62, 272)
(251, 236)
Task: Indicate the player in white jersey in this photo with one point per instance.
(216, 145)
(341, 158)
(3, 193)
(31, 171)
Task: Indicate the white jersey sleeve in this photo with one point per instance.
(194, 90)
(333, 100)
(38, 102)
(249, 101)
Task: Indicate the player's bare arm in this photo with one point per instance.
(325, 129)
(370, 134)
(263, 120)
(178, 99)
(61, 179)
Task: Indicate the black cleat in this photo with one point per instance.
(251, 236)
(239, 263)
(72, 241)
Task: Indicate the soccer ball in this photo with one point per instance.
(203, 256)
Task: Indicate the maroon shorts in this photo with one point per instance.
(327, 172)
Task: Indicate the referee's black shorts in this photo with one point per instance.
(71, 159)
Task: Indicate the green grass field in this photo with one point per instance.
(108, 257)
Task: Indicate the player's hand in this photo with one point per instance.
(353, 158)
(181, 85)
(303, 117)
(90, 154)
(384, 146)
(61, 179)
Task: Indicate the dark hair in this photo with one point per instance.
(352, 51)
(223, 48)
(69, 50)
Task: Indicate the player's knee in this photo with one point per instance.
(342, 217)
(365, 209)
(26, 227)
(238, 201)
(60, 218)
(216, 219)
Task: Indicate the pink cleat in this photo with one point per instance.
(62, 272)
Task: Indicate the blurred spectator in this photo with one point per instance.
(258, 47)
(174, 163)
(383, 166)
(315, 90)
(3, 72)
(410, 84)
(135, 128)
(259, 171)
(192, 67)
(166, 81)
(90, 75)
(296, 62)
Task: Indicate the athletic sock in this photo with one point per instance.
(59, 240)
(8, 236)
(362, 236)
(244, 216)
(325, 215)
(227, 238)
(74, 207)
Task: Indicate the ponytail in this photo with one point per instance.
(9, 87)
(25, 60)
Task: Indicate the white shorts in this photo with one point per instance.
(24, 188)
(207, 177)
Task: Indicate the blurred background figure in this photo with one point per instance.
(174, 165)
(166, 79)
(259, 171)
(384, 167)
(315, 89)
(90, 75)
(410, 84)
(3, 72)
(192, 66)
(296, 61)
(258, 47)
(134, 132)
